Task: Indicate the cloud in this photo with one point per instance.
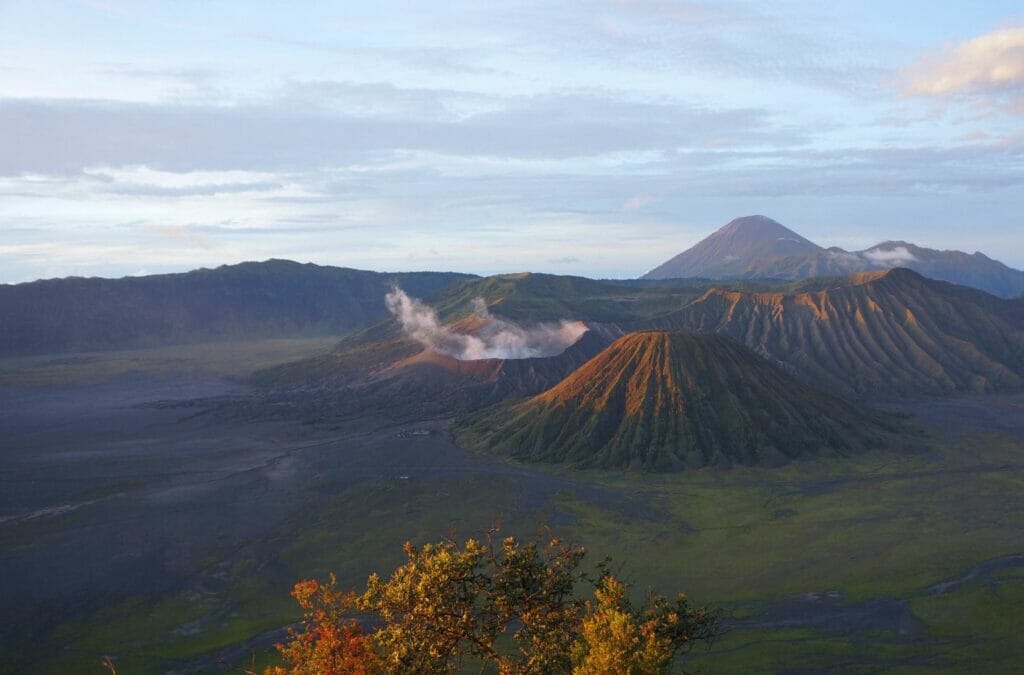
(988, 65)
(893, 256)
(638, 202)
(448, 60)
(179, 233)
(208, 190)
(60, 136)
(755, 41)
(382, 99)
(190, 75)
(497, 339)
(567, 260)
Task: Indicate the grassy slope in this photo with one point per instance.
(878, 525)
(233, 359)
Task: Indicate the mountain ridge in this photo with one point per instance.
(273, 298)
(738, 250)
(885, 332)
(834, 332)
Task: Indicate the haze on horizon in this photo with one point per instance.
(596, 138)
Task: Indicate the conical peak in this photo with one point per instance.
(733, 248)
(665, 339)
(648, 360)
(666, 400)
(759, 227)
(754, 222)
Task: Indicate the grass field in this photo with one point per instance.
(228, 359)
(881, 562)
(870, 536)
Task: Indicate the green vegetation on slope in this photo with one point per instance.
(874, 527)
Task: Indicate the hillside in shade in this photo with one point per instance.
(669, 400)
(424, 381)
(891, 332)
(276, 298)
(757, 247)
(439, 384)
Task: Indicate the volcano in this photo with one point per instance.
(732, 250)
(757, 247)
(669, 400)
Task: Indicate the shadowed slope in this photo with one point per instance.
(967, 269)
(756, 247)
(275, 298)
(440, 383)
(427, 383)
(667, 400)
(883, 332)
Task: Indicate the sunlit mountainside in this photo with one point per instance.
(669, 400)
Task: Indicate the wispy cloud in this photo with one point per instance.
(53, 136)
(180, 233)
(753, 41)
(638, 201)
(449, 60)
(989, 68)
(892, 256)
(590, 136)
(193, 75)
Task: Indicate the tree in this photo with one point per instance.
(510, 607)
(331, 642)
(615, 640)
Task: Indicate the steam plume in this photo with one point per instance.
(498, 339)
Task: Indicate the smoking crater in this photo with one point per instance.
(498, 339)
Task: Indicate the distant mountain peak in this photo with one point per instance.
(755, 223)
(757, 247)
(733, 247)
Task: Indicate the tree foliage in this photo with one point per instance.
(508, 606)
(331, 641)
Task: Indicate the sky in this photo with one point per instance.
(594, 137)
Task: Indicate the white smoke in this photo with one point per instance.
(497, 339)
(893, 256)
